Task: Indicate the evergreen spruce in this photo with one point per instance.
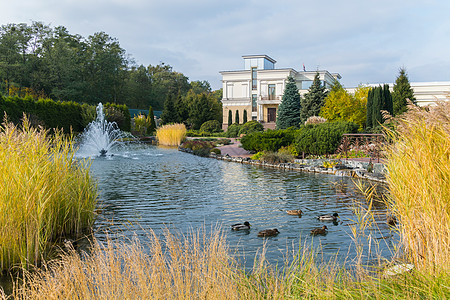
(236, 117)
(169, 114)
(313, 101)
(244, 119)
(289, 109)
(230, 117)
(402, 91)
(377, 118)
(387, 103)
(151, 121)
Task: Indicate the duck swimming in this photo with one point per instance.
(317, 231)
(268, 232)
(294, 212)
(332, 217)
(245, 226)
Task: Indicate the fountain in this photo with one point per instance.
(100, 137)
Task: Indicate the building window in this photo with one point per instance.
(271, 92)
(254, 105)
(254, 85)
(271, 114)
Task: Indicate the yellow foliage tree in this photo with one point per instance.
(340, 105)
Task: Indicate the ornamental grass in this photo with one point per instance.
(171, 134)
(44, 193)
(418, 165)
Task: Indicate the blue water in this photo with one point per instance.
(152, 187)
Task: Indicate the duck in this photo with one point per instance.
(391, 220)
(294, 212)
(268, 232)
(317, 231)
(245, 226)
(332, 217)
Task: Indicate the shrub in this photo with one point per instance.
(270, 140)
(118, 113)
(314, 120)
(171, 135)
(216, 151)
(323, 138)
(211, 126)
(257, 156)
(276, 157)
(249, 127)
(233, 130)
(291, 150)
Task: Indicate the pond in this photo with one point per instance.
(153, 187)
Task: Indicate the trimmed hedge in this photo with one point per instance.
(46, 112)
(322, 138)
(270, 140)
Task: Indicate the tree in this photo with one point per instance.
(151, 121)
(230, 117)
(402, 91)
(169, 113)
(313, 101)
(236, 117)
(378, 99)
(244, 119)
(343, 106)
(203, 108)
(289, 109)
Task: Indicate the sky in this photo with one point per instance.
(364, 41)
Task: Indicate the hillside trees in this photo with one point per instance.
(289, 109)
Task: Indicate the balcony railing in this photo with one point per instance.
(270, 97)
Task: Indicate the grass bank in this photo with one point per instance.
(44, 194)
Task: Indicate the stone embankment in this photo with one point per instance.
(342, 167)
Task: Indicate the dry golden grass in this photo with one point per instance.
(44, 194)
(171, 134)
(419, 184)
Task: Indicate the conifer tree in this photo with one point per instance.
(402, 91)
(289, 109)
(236, 117)
(230, 117)
(244, 119)
(151, 121)
(169, 114)
(378, 99)
(313, 101)
(369, 121)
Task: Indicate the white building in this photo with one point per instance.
(426, 93)
(259, 87)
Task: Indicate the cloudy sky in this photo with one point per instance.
(365, 41)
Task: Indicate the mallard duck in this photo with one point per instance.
(391, 220)
(294, 212)
(332, 217)
(245, 226)
(317, 231)
(268, 232)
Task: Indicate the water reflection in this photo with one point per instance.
(152, 187)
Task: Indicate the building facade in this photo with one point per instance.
(259, 87)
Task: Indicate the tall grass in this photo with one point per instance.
(199, 266)
(419, 183)
(44, 194)
(171, 134)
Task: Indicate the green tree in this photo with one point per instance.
(151, 121)
(340, 105)
(236, 117)
(169, 113)
(202, 110)
(402, 91)
(139, 88)
(230, 117)
(289, 109)
(313, 101)
(244, 118)
(379, 99)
